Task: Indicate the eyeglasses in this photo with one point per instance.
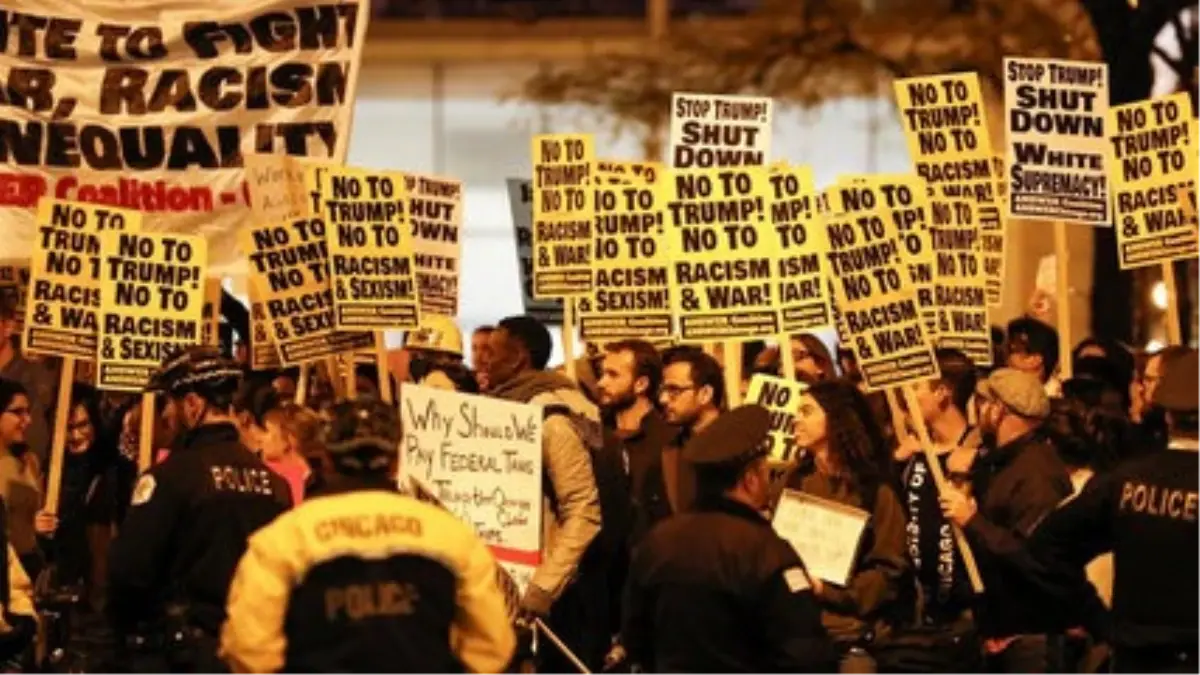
(674, 390)
(20, 412)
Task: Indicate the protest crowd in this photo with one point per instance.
(798, 423)
(1080, 510)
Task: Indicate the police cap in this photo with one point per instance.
(1179, 388)
(362, 436)
(198, 368)
(734, 439)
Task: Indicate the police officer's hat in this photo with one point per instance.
(733, 440)
(1179, 389)
(362, 436)
(198, 368)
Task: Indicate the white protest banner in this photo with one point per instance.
(65, 274)
(1152, 157)
(520, 201)
(724, 281)
(562, 214)
(153, 105)
(960, 287)
(370, 249)
(289, 265)
(874, 291)
(804, 301)
(1054, 118)
(151, 297)
(710, 131)
(943, 119)
(630, 295)
(435, 207)
(825, 534)
(482, 458)
(781, 398)
(210, 315)
(14, 288)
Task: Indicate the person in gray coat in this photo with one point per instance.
(519, 350)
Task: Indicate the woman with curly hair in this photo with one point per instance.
(848, 463)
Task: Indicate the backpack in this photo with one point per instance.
(610, 471)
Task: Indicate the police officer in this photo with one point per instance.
(189, 519)
(715, 589)
(360, 578)
(1145, 513)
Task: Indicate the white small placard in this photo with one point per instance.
(825, 534)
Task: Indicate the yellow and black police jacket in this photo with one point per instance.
(366, 580)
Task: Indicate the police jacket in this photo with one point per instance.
(716, 590)
(1145, 513)
(360, 578)
(187, 527)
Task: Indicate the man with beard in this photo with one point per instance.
(1017, 479)
(692, 395)
(631, 373)
(717, 590)
(189, 520)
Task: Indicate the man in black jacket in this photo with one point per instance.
(1017, 479)
(716, 589)
(190, 518)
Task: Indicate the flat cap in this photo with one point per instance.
(1179, 388)
(1021, 392)
(735, 438)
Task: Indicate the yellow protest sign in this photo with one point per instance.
(520, 202)
(1152, 159)
(800, 248)
(562, 214)
(14, 287)
(724, 278)
(210, 314)
(1054, 117)
(711, 131)
(960, 291)
(630, 295)
(435, 214)
(781, 398)
(609, 172)
(874, 293)
(944, 123)
(289, 265)
(906, 203)
(264, 355)
(370, 250)
(64, 276)
(151, 298)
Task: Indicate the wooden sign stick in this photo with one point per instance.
(302, 384)
(349, 371)
(733, 372)
(787, 361)
(1063, 303)
(146, 433)
(381, 366)
(1174, 327)
(939, 480)
(58, 440)
(568, 338)
(333, 372)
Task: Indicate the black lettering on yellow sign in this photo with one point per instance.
(367, 601)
